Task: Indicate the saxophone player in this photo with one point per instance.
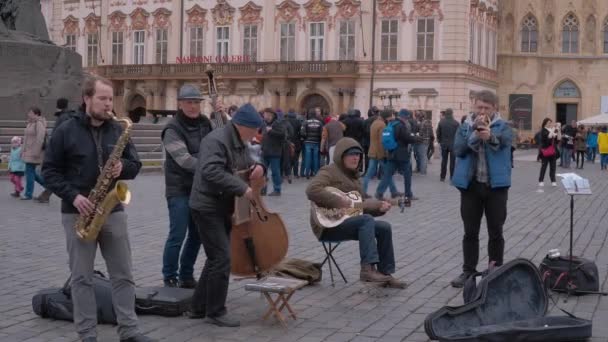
(78, 150)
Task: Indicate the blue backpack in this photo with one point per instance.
(388, 136)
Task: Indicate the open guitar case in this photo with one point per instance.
(510, 305)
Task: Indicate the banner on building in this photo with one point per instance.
(520, 110)
(604, 105)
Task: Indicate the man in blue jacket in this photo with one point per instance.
(483, 175)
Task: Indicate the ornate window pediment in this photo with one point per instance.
(317, 10)
(196, 17)
(92, 23)
(117, 21)
(287, 11)
(162, 18)
(391, 9)
(139, 19)
(250, 14)
(70, 26)
(426, 8)
(222, 13)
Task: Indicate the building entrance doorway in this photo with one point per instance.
(566, 112)
(314, 100)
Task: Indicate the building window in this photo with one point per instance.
(471, 41)
(117, 47)
(567, 89)
(92, 49)
(479, 42)
(288, 41)
(317, 40)
(425, 39)
(139, 41)
(196, 41)
(346, 49)
(529, 34)
(606, 35)
(70, 42)
(250, 42)
(161, 46)
(388, 41)
(570, 34)
(223, 41)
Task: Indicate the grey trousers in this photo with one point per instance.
(114, 244)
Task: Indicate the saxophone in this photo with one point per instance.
(88, 226)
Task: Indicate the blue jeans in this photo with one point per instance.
(566, 157)
(274, 163)
(180, 223)
(30, 176)
(591, 153)
(375, 240)
(372, 170)
(420, 153)
(604, 160)
(403, 166)
(311, 159)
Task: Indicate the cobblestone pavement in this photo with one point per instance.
(427, 241)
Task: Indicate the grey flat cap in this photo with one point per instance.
(189, 92)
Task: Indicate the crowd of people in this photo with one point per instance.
(570, 143)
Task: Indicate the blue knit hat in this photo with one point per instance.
(405, 113)
(247, 116)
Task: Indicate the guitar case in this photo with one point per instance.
(509, 305)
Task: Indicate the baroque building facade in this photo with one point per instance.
(429, 54)
(552, 60)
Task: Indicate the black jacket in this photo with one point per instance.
(355, 128)
(216, 183)
(446, 131)
(404, 137)
(273, 140)
(311, 131)
(365, 143)
(71, 166)
(296, 125)
(62, 116)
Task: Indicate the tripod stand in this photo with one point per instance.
(570, 287)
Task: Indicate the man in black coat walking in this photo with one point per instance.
(446, 131)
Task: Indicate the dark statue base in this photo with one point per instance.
(36, 73)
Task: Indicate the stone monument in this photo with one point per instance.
(34, 72)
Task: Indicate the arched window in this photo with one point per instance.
(605, 31)
(567, 89)
(570, 34)
(529, 34)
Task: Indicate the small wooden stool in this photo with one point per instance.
(284, 288)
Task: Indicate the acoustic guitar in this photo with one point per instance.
(333, 217)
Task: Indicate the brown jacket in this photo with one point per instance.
(33, 140)
(376, 150)
(335, 175)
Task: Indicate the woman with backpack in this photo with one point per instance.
(376, 152)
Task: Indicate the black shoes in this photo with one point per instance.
(171, 282)
(223, 321)
(459, 281)
(138, 338)
(89, 339)
(188, 284)
(196, 314)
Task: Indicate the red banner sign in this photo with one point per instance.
(213, 59)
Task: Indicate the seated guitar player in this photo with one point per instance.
(375, 237)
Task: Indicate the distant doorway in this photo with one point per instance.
(566, 112)
(311, 101)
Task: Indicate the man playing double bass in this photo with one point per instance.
(212, 202)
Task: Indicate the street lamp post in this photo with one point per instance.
(371, 83)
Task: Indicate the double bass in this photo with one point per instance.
(259, 238)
